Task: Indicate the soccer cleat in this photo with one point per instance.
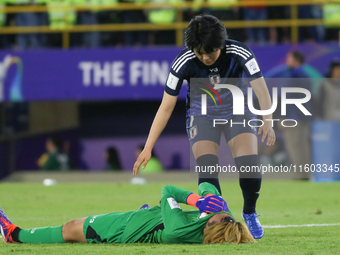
(253, 225)
(6, 227)
(146, 206)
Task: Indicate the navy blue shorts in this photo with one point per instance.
(200, 128)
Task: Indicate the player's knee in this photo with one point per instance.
(67, 230)
(73, 231)
(207, 160)
(204, 147)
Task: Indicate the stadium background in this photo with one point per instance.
(106, 93)
(44, 91)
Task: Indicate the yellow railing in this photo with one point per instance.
(178, 25)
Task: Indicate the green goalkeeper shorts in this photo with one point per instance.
(105, 228)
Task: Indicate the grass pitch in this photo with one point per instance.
(280, 203)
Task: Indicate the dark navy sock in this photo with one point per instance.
(250, 182)
(204, 161)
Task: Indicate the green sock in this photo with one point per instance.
(42, 235)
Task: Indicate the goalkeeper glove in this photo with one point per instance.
(209, 203)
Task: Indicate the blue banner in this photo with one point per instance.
(120, 73)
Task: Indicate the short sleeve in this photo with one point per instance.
(246, 58)
(250, 66)
(178, 72)
(173, 84)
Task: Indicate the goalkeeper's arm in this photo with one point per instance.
(207, 203)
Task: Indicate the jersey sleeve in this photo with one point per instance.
(173, 217)
(250, 66)
(178, 72)
(179, 194)
(206, 188)
(247, 60)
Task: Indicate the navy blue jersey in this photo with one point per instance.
(235, 62)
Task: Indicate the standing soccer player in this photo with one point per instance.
(208, 54)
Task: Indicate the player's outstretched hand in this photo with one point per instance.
(144, 158)
(212, 204)
(267, 132)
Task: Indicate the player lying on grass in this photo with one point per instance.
(166, 223)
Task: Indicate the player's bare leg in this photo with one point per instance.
(244, 149)
(73, 231)
(243, 144)
(204, 147)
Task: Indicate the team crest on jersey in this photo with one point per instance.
(193, 132)
(214, 78)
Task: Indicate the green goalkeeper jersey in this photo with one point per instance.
(165, 224)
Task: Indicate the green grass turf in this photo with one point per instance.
(281, 202)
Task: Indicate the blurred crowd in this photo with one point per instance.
(295, 144)
(57, 18)
(56, 158)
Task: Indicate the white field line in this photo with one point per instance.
(300, 226)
